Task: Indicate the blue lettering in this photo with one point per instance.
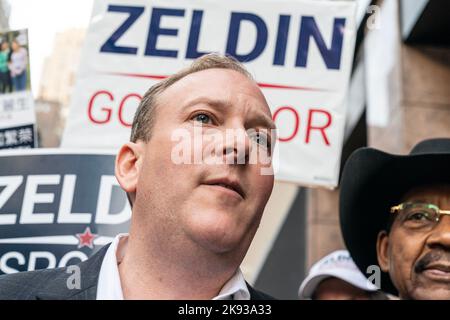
(233, 34)
(191, 52)
(332, 56)
(282, 38)
(156, 30)
(110, 44)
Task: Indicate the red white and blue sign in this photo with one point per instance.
(57, 207)
(299, 51)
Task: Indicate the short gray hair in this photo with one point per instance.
(145, 114)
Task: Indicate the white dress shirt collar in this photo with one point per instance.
(109, 287)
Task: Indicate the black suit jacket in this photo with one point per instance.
(51, 284)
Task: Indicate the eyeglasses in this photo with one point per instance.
(419, 215)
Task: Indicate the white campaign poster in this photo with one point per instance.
(300, 53)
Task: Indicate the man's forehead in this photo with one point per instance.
(216, 87)
(214, 79)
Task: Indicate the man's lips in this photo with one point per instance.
(227, 183)
(438, 272)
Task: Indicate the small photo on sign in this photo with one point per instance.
(14, 62)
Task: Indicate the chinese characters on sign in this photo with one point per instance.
(17, 117)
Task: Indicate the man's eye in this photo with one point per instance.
(203, 118)
(261, 139)
(419, 216)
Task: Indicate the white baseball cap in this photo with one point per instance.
(338, 264)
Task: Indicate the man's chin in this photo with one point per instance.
(216, 238)
(216, 229)
(431, 293)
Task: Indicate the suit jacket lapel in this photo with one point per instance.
(57, 288)
(257, 295)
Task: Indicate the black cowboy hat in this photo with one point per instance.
(373, 181)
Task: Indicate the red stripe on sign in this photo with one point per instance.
(138, 75)
(280, 86)
(262, 85)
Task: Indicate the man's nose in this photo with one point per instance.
(236, 149)
(440, 235)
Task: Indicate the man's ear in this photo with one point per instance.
(128, 162)
(383, 250)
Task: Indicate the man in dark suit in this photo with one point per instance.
(197, 194)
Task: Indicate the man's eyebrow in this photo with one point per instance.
(264, 121)
(219, 104)
(260, 119)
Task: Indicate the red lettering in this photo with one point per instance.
(310, 127)
(122, 104)
(106, 109)
(297, 122)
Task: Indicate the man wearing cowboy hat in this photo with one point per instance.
(394, 213)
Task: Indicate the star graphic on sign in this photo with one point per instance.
(86, 239)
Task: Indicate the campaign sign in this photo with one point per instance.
(300, 53)
(17, 121)
(57, 207)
